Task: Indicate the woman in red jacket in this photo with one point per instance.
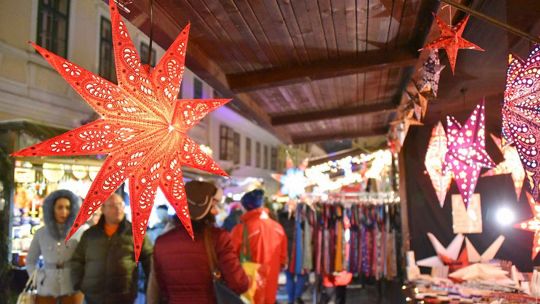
(180, 272)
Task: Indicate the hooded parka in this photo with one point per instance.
(54, 277)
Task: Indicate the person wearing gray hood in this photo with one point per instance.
(54, 278)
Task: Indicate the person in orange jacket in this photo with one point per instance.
(267, 242)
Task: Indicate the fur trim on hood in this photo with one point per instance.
(48, 212)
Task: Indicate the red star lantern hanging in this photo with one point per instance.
(532, 225)
(142, 129)
(451, 40)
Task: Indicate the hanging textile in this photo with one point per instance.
(357, 236)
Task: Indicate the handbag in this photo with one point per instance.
(224, 295)
(29, 293)
(255, 292)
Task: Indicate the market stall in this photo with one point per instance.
(31, 179)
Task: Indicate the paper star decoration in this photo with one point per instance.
(431, 73)
(142, 129)
(417, 102)
(294, 181)
(520, 112)
(466, 153)
(532, 225)
(400, 127)
(510, 165)
(451, 40)
(482, 272)
(488, 255)
(434, 163)
(451, 252)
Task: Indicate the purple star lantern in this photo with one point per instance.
(467, 151)
(520, 112)
(431, 73)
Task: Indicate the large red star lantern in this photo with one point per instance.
(451, 40)
(142, 128)
(532, 225)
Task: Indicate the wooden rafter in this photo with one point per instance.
(376, 108)
(287, 75)
(164, 33)
(339, 135)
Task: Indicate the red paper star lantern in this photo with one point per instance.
(142, 129)
(532, 225)
(451, 40)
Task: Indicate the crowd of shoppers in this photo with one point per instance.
(97, 265)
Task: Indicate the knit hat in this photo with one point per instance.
(253, 199)
(199, 197)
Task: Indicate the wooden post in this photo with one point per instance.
(403, 202)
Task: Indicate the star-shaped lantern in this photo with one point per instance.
(142, 129)
(532, 225)
(466, 153)
(434, 162)
(417, 101)
(406, 118)
(510, 165)
(521, 109)
(431, 73)
(451, 40)
(445, 256)
(294, 181)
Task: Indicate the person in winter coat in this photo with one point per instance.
(267, 242)
(54, 279)
(180, 270)
(103, 265)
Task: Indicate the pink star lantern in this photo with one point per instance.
(510, 165)
(451, 40)
(434, 163)
(467, 151)
(142, 129)
(532, 225)
(520, 112)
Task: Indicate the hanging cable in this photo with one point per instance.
(151, 32)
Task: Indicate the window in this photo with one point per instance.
(273, 159)
(258, 154)
(52, 31)
(144, 55)
(106, 58)
(265, 159)
(236, 148)
(248, 151)
(180, 91)
(197, 88)
(229, 144)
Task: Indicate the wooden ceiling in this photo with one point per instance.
(308, 70)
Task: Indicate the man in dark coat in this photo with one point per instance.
(103, 266)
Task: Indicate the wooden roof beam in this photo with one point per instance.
(164, 33)
(330, 68)
(287, 119)
(380, 131)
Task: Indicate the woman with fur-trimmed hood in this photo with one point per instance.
(54, 278)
